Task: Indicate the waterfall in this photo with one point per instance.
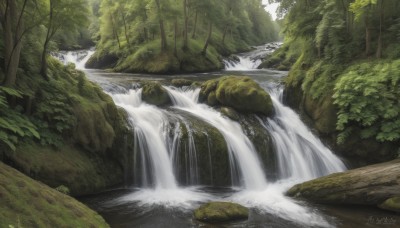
(149, 123)
(241, 150)
(79, 58)
(301, 155)
(251, 60)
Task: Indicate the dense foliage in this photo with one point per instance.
(350, 49)
(137, 31)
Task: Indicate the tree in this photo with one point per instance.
(62, 16)
(13, 15)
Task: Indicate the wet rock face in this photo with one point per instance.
(153, 93)
(215, 212)
(240, 93)
(370, 185)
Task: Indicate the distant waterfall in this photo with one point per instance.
(79, 58)
(251, 60)
(301, 155)
(243, 155)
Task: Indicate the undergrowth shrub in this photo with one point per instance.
(367, 96)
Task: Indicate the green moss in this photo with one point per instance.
(149, 59)
(211, 151)
(27, 203)
(241, 93)
(368, 185)
(180, 82)
(215, 212)
(153, 93)
(82, 172)
(391, 204)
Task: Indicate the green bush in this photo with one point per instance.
(367, 96)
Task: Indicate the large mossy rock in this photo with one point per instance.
(370, 185)
(82, 172)
(102, 60)
(181, 82)
(83, 143)
(240, 93)
(216, 212)
(27, 203)
(153, 93)
(201, 145)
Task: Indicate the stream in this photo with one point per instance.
(168, 183)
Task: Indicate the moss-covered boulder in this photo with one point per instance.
(240, 93)
(215, 212)
(370, 185)
(80, 171)
(27, 203)
(180, 82)
(102, 60)
(153, 93)
(202, 156)
(391, 204)
(83, 134)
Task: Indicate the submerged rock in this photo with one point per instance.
(391, 204)
(180, 82)
(370, 185)
(153, 93)
(240, 93)
(215, 212)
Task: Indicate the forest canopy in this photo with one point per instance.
(179, 33)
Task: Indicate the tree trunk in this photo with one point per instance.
(43, 67)
(12, 41)
(224, 35)
(175, 37)
(381, 15)
(208, 39)
(367, 37)
(145, 34)
(195, 26)
(125, 29)
(115, 31)
(162, 30)
(185, 32)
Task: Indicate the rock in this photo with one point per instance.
(28, 203)
(370, 185)
(211, 152)
(391, 204)
(153, 93)
(215, 212)
(180, 82)
(102, 61)
(230, 112)
(240, 93)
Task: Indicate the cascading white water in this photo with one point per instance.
(301, 155)
(243, 64)
(149, 122)
(79, 58)
(251, 60)
(242, 151)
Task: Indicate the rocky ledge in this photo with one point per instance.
(371, 185)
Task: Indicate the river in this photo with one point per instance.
(158, 196)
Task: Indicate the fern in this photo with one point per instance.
(13, 125)
(367, 97)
